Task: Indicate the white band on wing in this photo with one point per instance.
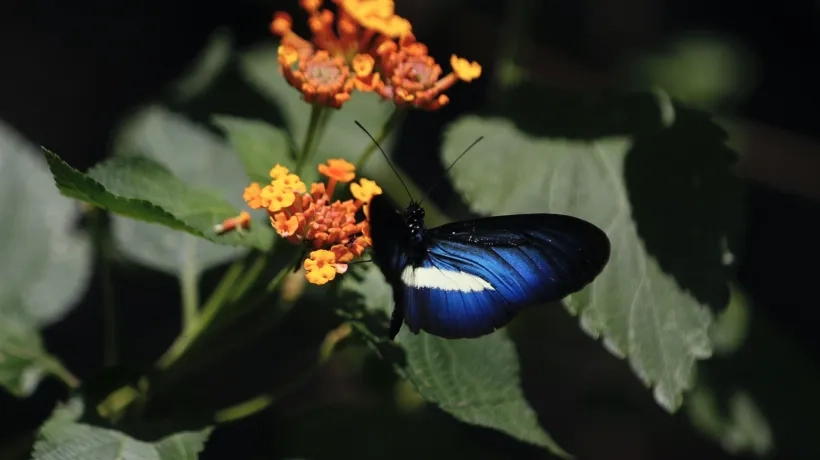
(436, 278)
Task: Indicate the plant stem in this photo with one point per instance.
(199, 322)
(387, 128)
(189, 285)
(311, 136)
(110, 322)
(249, 278)
(262, 402)
(57, 369)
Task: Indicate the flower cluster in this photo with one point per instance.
(366, 47)
(313, 218)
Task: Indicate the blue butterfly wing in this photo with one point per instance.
(475, 276)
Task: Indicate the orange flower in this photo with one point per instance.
(314, 219)
(320, 267)
(337, 59)
(365, 190)
(413, 78)
(338, 169)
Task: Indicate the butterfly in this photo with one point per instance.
(466, 279)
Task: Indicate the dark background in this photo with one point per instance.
(70, 71)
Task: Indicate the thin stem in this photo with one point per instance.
(221, 291)
(316, 115)
(189, 285)
(259, 403)
(244, 409)
(250, 277)
(110, 321)
(387, 128)
(280, 277)
(57, 369)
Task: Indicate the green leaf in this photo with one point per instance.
(259, 144)
(476, 381)
(638, 309)
(62, 437)
(46, 263)
(342, 138)
(74, 184)
(191, 173)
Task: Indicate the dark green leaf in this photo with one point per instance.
(259, 144)
(477, 381)
(641, 312)
(62, 437)
(74, 184)
(46, 263)
(192, 161)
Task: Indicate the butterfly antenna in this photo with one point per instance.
(449, 168)
(388, 161)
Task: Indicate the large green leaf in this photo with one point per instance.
(640, 311)
(342, 138)
(259, 144)
(179, 162)
(62, 437)
(46, 263)
(477, 381)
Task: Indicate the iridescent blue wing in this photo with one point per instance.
(475, 276)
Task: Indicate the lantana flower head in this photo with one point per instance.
(313, 218)
(411, 77)
(340, 57)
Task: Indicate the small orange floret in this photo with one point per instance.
(281, 24)
(365, 190)
(319, 267)
(313, 219)
(276, 197)
(377, 15)
(285, 226)
(252, 196)
(464, 69)
(311, 6)
(338, 169)
(292, 182)
(278, 171)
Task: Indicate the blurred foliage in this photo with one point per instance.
(646, 167)
(46, 264)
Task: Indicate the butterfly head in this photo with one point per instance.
(414, 216)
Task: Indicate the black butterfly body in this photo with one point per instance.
(466, 279)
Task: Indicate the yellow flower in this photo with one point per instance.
(252, 196)
(278, 172)
(320, 267)
(313, 218)
(365, 190)
(378, 15)
(339, 56)
(464, 69)
(276, 196)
